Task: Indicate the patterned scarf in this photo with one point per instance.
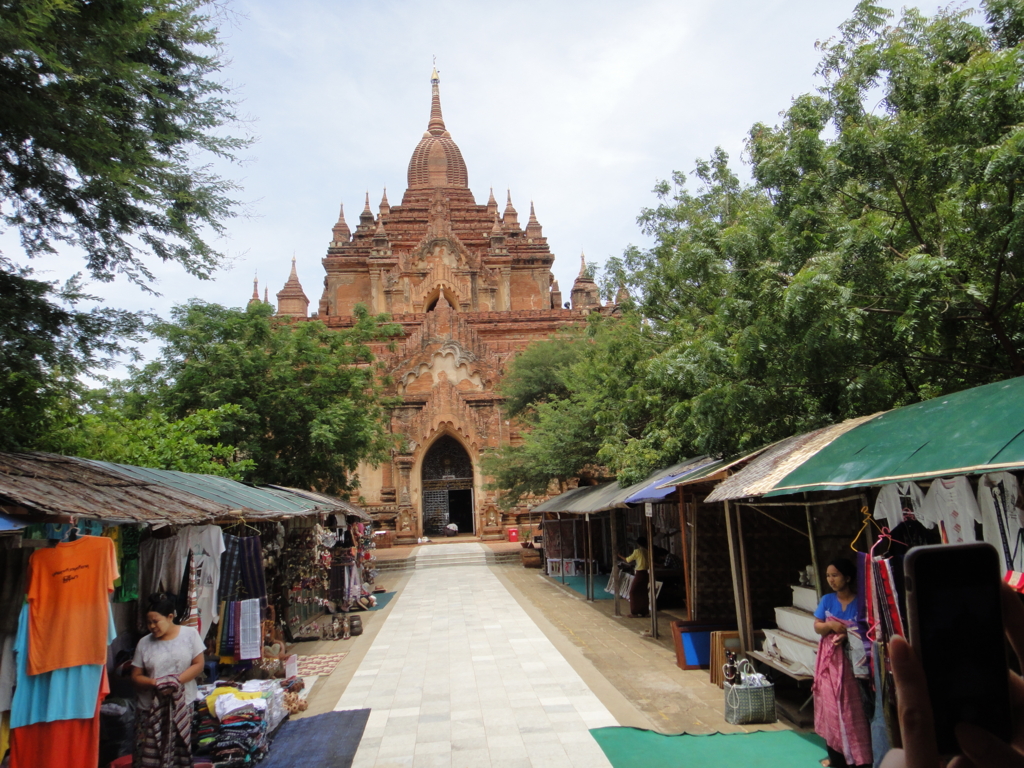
(164, 735)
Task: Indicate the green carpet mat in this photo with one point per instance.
(634, 748)
(383, 598)
(579, 584)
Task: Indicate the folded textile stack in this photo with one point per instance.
(204, 729)
(239, 719)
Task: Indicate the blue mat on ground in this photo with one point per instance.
(579, 584)
(329, 740)
(382, 599)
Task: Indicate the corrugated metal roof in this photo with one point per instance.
(221, 490)
(60, 485)
(778, 460)
(347, 507)
(587, 499)
(971, 432)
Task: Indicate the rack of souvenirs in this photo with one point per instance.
(72, 594)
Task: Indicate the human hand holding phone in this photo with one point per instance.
(980, 748)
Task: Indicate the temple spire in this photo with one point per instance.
(511, 219)
(385, 206)
(255, 289)
(366, 217)
(492, 204)
(436, 125)
(533, 228)
(342, 234)
(583, 265)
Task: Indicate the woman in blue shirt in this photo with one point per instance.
(841, 704)
(841, 604)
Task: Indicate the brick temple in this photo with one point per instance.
(471, 287)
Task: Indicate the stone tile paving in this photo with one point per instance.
(643, 670)
(459, 675)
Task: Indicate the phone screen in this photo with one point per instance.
(958, 635)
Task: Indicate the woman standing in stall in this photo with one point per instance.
(164, 670)
(639, 590)
(840, 673)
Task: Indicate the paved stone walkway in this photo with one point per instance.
(459, 675)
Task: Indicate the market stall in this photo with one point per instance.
(98, 539)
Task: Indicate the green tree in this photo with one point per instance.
(190, 444)
(871, 263)
(46, 342)
(111, 115)
(308, 404)
(108, 111)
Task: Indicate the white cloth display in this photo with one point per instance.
(998, 494)
(228, 703)
(207, 545)
(950, 504)
(897, 500)
(250, 645)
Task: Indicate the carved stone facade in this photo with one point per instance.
(470, 288)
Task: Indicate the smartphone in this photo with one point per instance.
(956, 627)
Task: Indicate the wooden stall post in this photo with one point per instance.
(648, 514)
(588, 553)
(748, 610)
(685, 546)
(614, 517)
(814, 548)
(737, 587)
(561, 545)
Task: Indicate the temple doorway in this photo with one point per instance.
(447, 477)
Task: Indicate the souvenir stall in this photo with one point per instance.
(98, 539)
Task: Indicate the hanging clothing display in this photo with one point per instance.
(68, 595)
(897, 502)
(206, 543)
(63, 694)
(950, 504)
(67, 743)
(67, 626)
(129, 564)
(998, 498)
(242, 576)
(161, 565)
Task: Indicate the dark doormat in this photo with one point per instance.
(329, 740)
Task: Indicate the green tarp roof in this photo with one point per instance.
(974, 431)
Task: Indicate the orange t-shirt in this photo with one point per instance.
(68, 598)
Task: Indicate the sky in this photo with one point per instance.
(580, 107)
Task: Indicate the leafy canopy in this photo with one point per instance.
(874, 260)
(108, 110)
(307, 403)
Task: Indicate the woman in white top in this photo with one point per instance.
(164, 670)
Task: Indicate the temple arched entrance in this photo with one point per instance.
(447, 477)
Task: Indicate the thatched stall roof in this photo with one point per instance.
(47, 484)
